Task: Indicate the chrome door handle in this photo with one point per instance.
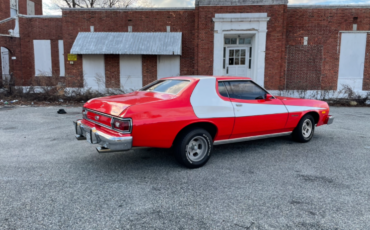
(239, 105)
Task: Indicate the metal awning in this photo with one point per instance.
(127, 43)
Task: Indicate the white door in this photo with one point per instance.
(352, 60)
(131, 72)
(168, 66)
(237, 62)
(94, 71)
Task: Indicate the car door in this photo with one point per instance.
(254, 115)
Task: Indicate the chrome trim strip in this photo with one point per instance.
(236, 140)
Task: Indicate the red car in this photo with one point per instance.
(192, 114)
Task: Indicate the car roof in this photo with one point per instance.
(189, 77)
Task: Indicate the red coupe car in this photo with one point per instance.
(192, 114)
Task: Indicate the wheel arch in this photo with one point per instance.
(315, 115)
(209, 126)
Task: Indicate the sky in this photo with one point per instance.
(51, 8)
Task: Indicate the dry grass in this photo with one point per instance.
(53, 89)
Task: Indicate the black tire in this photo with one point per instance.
(302, 135)
(199, 153)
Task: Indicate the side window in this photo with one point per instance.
(222, 89)
(245, 90)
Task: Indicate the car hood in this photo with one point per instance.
(303, 102)
(115, 105)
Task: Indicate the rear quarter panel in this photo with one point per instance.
(157, 124)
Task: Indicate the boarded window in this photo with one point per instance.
(131, 72)
(30, 8)
(61, 58)
(168, 66)
(93, 71)
(42, 54)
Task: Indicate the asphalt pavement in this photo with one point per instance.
(48, 180)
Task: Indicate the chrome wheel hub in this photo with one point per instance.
(307, 128)
(197, 149)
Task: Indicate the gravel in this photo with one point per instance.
(48, 180)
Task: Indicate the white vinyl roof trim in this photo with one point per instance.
(127, 43)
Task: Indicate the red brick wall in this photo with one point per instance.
(5, 27)
(14, 46)
(149, 69)
(22, 7)
(141, 21)
(305, 62)
(38, 29)
(275, 48)
(322, 27)
(366, 85)
(112, 71)
(4, 9)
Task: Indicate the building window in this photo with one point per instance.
(61, 58)
(30, 8)
(224, 57)
(236, 41)
(250, 57)
(237, 56)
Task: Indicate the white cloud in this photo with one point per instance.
(329, 2)
(173, 3)
(50, 8)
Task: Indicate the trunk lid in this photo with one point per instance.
(115, 105)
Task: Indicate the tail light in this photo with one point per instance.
(84, 113)
(121, 125)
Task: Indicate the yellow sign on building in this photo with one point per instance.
(72, 57)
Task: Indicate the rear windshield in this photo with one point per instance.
(167, 86)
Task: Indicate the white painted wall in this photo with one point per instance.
(131, 72)
(30, 8)
(168, 66)
(94, 71)
(352, 60)
(4, 62)
(61, 58)
(42, 55)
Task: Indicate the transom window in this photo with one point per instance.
(236, 41)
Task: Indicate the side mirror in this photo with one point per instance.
(269, 97)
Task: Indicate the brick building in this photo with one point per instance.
(279, 46)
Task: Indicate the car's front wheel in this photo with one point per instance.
(194, 147)
(305, 130)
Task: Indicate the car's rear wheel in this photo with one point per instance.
(193, 148)
(305, 130)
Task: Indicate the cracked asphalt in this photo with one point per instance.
(48, 180)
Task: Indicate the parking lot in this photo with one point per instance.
(48, 180)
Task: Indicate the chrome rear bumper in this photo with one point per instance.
(330, 120)
(108, 143)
